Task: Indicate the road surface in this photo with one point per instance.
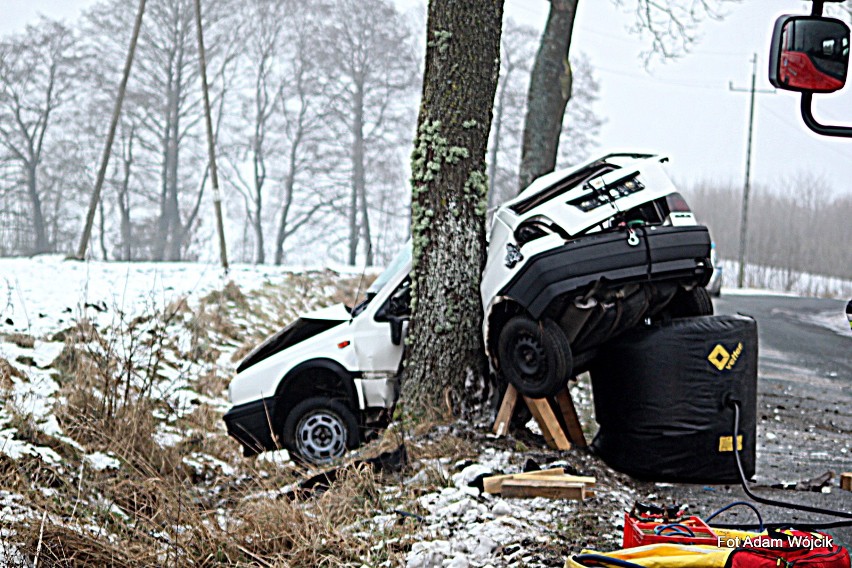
(804, 426)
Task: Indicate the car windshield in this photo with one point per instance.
(402, 258)
(400, 261)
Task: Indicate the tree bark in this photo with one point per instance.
(445, 362)
(41, 241)
(545, 103)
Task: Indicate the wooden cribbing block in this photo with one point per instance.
(507, 408)
(552, 488)
(571, 419)
(494, 483)
(846, 481)
(549, 424)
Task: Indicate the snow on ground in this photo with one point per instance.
(771, 280)
(42, 294)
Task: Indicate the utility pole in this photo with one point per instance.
(747, 184)
(211, 140)
(116, 115)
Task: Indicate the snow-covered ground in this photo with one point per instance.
(41, 294)
(45, 299)
(769, 279)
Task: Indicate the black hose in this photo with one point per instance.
(772, 502)
(735, 504)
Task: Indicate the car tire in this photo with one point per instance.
(319, 430)
(691, 303)
(534, 356)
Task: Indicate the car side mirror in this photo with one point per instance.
(809, 54)
(396, 324)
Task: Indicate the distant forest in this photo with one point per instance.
(314, 113)
(799, 225)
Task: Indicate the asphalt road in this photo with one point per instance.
(804, 407)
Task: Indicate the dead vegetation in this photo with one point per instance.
(187, 498)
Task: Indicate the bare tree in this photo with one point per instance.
(517, 46)
(580, 130)
(164, 101)
(449, 186)
(37, 73)
(263, 31)
(369, 53)
(672, 27)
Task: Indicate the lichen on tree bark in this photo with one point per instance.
(445, 359)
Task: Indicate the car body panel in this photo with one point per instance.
(581, 246)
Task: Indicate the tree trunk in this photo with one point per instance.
(446, 363)
(124, 200)
(550, 90)
(41, 241)
(359, 176)
(174, 246)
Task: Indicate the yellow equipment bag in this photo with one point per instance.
(655, 556)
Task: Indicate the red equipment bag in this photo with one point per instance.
(786, 548)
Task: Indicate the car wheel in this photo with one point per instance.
(691, 303)
(319, 429)
(534, 356)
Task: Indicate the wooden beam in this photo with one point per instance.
(549, 424)
(494, 483)
(507, 408)
(544, 487)
(570, 417)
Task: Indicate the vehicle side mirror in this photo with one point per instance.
(396, 324)
(809, 54)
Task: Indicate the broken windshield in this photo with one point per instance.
(400, 262)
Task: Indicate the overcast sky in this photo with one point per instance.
(683, 108)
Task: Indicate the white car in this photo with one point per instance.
(577, 258)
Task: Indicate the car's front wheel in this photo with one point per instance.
(319, 430)
(534, 356)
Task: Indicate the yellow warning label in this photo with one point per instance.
(726, 443)
(722, 359)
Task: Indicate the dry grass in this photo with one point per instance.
(157, 508)
(22, 340)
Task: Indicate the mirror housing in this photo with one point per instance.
(809, 54)
(396, 324)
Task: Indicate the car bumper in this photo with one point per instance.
(661, 253)
(251, 424)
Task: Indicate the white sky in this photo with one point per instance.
(683, 108)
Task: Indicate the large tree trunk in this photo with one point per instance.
(545, 102)
(41, 241)
(446, 361)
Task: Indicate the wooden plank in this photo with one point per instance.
(543, 487)
(572, 420)
(846, 481)
(494, 483)
(507, 408)
(549, 424)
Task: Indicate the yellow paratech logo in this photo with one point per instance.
(724, 360)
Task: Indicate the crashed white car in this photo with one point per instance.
(577, 258)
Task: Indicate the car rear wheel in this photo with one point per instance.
(691, 303)
(534, 356)
(319, 430)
